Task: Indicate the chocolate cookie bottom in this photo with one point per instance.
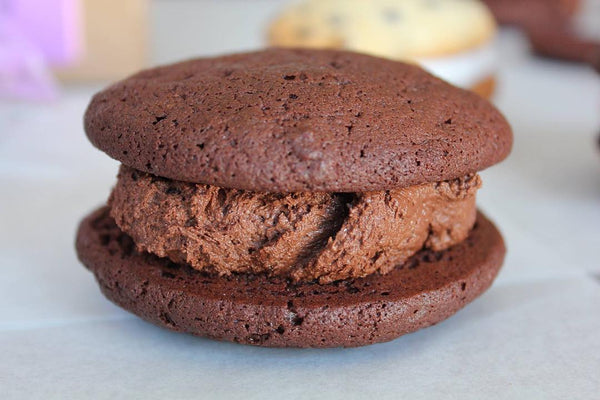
(252, 309)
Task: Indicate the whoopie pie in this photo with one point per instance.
(293, 198)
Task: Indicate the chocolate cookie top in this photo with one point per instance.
(297, 120)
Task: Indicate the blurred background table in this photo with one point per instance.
(534, 334)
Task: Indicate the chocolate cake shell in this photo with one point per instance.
(291, 120)
(276, 313)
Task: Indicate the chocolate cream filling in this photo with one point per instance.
(303, 236)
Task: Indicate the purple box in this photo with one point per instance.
(54, 27)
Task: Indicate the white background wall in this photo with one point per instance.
(188, 28)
